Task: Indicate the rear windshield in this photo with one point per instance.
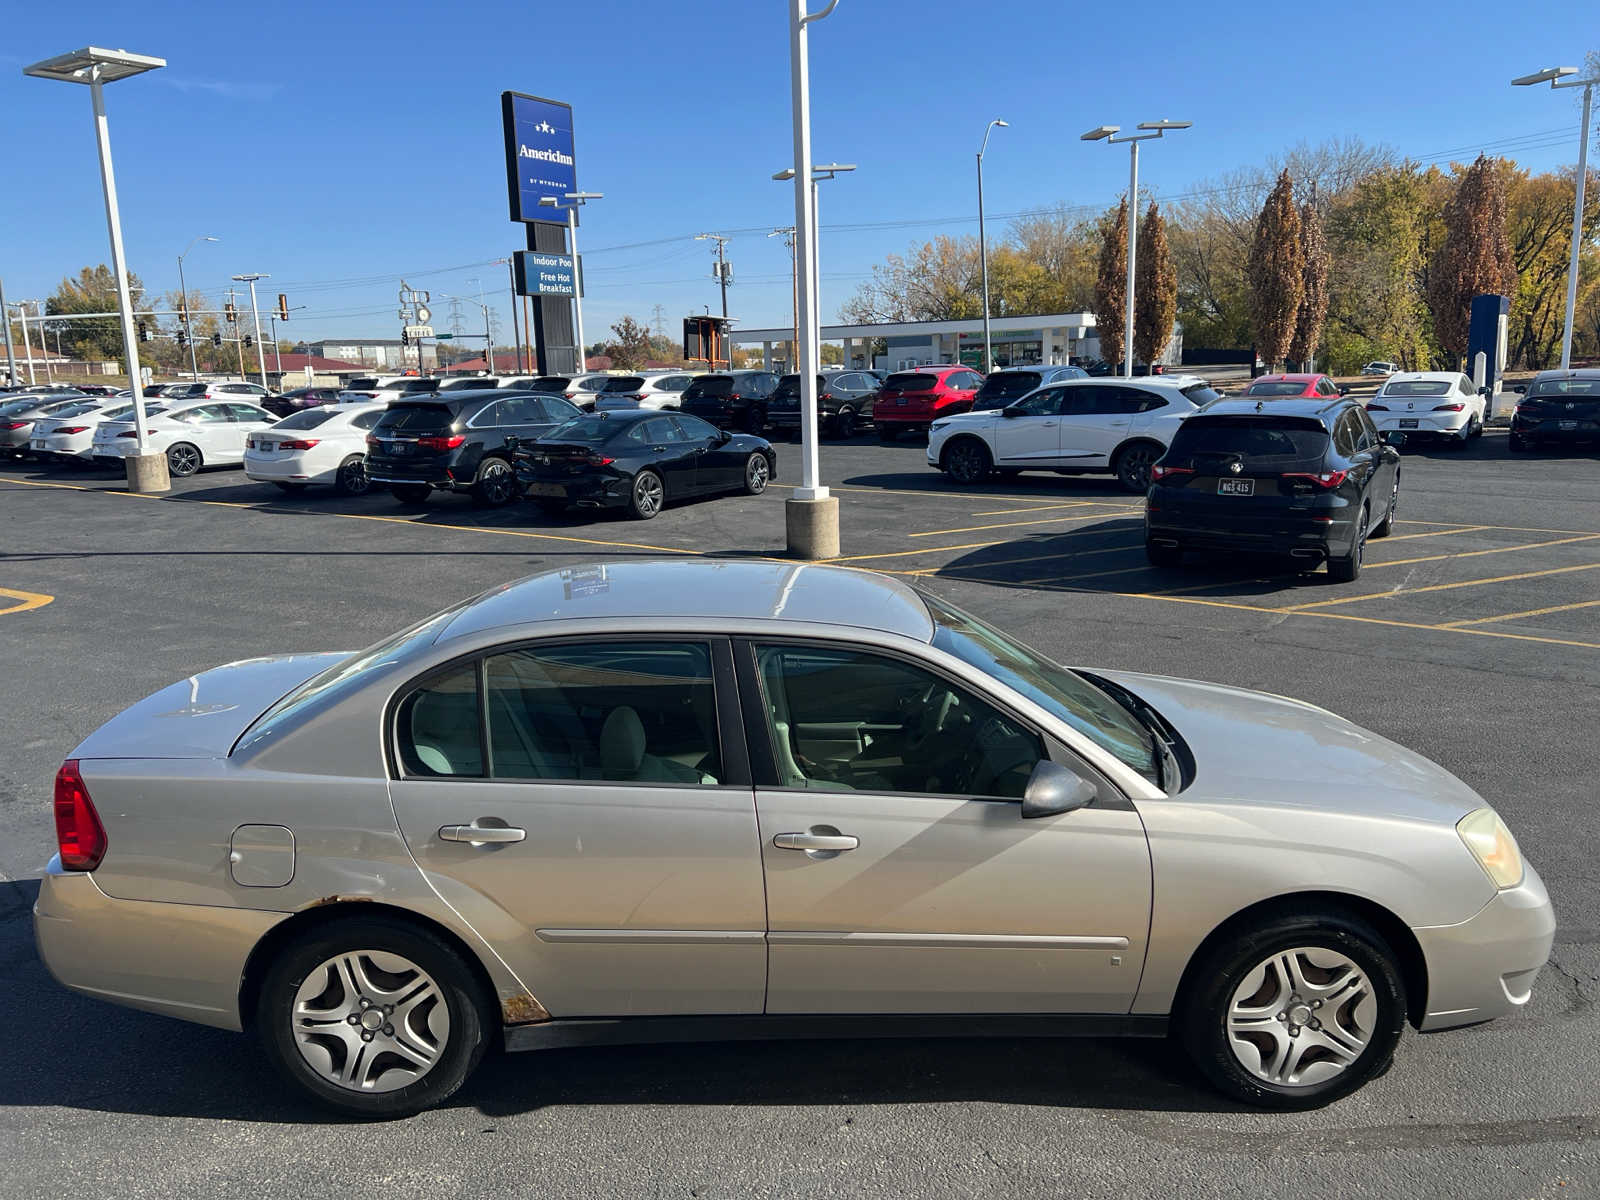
(710, 385)
(466, 385)
(589, 429)
(1005, 386)
(414, 418)
(789, 385)
(1200, 393)
(406, 386)
(1274, 389)
(1418, 387)
(362, 383)
(549, 383)
(623, 383)
(79, 409)
(910, 383)
(308, 418)
(1587, 389)
(1270, 440)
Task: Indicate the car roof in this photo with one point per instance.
(1406, 376)
(1317, 407)
(1290, 377)
(700, 591)
(1568, 373)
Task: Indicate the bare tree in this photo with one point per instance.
(1111, 284)
(1314, 297)
(1156, 296)
(1475, 257)
(1277, 272)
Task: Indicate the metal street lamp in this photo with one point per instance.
(261, 354)
(1557, 77)
(1108, 133)
(983, 247)
(819, 171)
(183, 290)
(96, 67)
(574, 201)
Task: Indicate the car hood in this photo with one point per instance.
(975, 417)
(1255, 747)
(202, 716)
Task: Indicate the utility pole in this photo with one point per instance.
(11, 356)
(27, 346)
(723, 273)
(255, 313)
(787, 234)
(516, 328)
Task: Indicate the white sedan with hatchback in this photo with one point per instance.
(326, 445)
(191, 436)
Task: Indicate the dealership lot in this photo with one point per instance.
(1473, 636)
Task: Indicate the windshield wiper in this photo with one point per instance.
(1163, 736)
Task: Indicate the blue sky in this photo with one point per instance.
(340, 146)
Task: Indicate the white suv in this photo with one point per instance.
(1081, 427)
(655, 389)
(386, 387)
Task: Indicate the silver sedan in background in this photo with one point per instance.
(724, 799)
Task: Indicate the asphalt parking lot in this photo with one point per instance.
(1473, 636)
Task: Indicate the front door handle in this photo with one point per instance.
(479, 835)
(819, 840)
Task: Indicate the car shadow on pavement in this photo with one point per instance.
(1043, 485)
(70, 1051)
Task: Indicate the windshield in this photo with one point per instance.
(1001, 388)
(593, 429)
(1062, 692)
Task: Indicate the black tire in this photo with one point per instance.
(1201, 1017)
(470, 1013)
(1132, 465)
(552, 507)
(843, 425)
(352, 478)
(1347, 568)
(1386, 526)
(410, 493)
(1163, 556)
(183, 459)
(284, 485)
(967, 460)
(1518, 444)
(887, 433)
(755, 420)
(647, 496)
(496, 484)
(757, 474)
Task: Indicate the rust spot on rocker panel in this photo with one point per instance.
(522, 1009)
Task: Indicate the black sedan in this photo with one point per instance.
(639, 461)
(290, 403)
(1559, 407)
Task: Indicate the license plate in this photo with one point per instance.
(1559, 425)
(1408, 424)
(1236, 487)
(556, 490)
(38, 443)
(396, 449)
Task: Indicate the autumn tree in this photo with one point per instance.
(1277, 272)
(1155, 303)
(1375, 234)
(629, 349)
(1314, 295)
(1540, 228)
(92, 290)
(1111, 284)
(1475, 257)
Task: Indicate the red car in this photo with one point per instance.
(910, 401)
(1293, 385)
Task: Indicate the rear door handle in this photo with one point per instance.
(812, 841)
(479, 835)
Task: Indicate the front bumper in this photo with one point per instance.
(1484, 967)
(179, 960)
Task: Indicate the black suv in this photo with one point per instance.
(844, 402)
(1558, 407)
(732, 400)
(459, 441)
(1310, 478)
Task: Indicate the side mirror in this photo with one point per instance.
(1052, 790)
(1009, 413)
(511, 442)
(1392, 437)
(1483, 391)
(723, 437)
(1520, 389)
(1344, 389)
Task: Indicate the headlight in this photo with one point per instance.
(1493, 846)
(938, 425)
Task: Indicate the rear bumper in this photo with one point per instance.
(584, 491)
(1213, 531)
(287, 470)
(1485, 966)
(1427, 424)
(179, 960)
(1550, 430)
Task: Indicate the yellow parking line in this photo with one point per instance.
(1402, 562)
(1451, 527)
(1040, 507)
(25, 601)
(1005, 525)
(1065, 533)
(1440, 587)
(1406, 537)
(1530, 612)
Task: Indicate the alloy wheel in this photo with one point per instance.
(353, 478)
(183, 459)
(647, 494)
(1133, 467)
(370, 1021)
(1302, 1016)
(756, 473)
(495, 484)
(968, 461)
(844, 423)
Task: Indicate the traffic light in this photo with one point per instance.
(283, 307)
(405, 337)
(144, 332)
(216, 340)
(183, 309)
(249, 341)
(183, 338)
(229, 311)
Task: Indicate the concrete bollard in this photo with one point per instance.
(147, 473)
(812, 527)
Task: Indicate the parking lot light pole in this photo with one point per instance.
(96, 67)
(572, 201)
(1108, 134)
(819, 172)
(1559, 77)
(983, 248)
(188, 321)
(261, 354)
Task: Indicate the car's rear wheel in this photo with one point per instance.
(183, 459)
(757, 473)
(374, 1016)
(352, 479)
(1518, 444)
(1296, 1013)
(1386, 526)
(844, 423)
(967, 460)
(1133, 465)
(646, 496)
(411, 493)
(1346, 568)
(496, 484)
(755, 420)
(1162, 555)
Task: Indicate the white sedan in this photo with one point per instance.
(1082, 426)
(69, 434)
(317, 445)
(1439, 405)
(192, 436)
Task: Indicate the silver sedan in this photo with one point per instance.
(707, 800)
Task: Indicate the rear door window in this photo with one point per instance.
(1005, 386)
(710, 385)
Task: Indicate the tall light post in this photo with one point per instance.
(573, 201)
(188, 321)
(147, 472)
(1558, 77)
(983, 247)
(1108, 133)
(819, 172)
(261, 354)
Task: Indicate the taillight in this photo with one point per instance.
(79, 835)
(133, 433)
(598, 460)
(1448, 407)
(570, 395)
(826, 396)
(735, 396)
(1371, 407)
(15, 424)
(1326, 480)
(299, 444)
(1157, 471)
(640, 397)
(73, 429)
(442, 443)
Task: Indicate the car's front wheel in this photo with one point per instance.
(967, 460)
(373, 1015)
(1296, 1013)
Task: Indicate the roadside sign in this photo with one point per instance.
(540, 160)
(541, 274)
(419, 331)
